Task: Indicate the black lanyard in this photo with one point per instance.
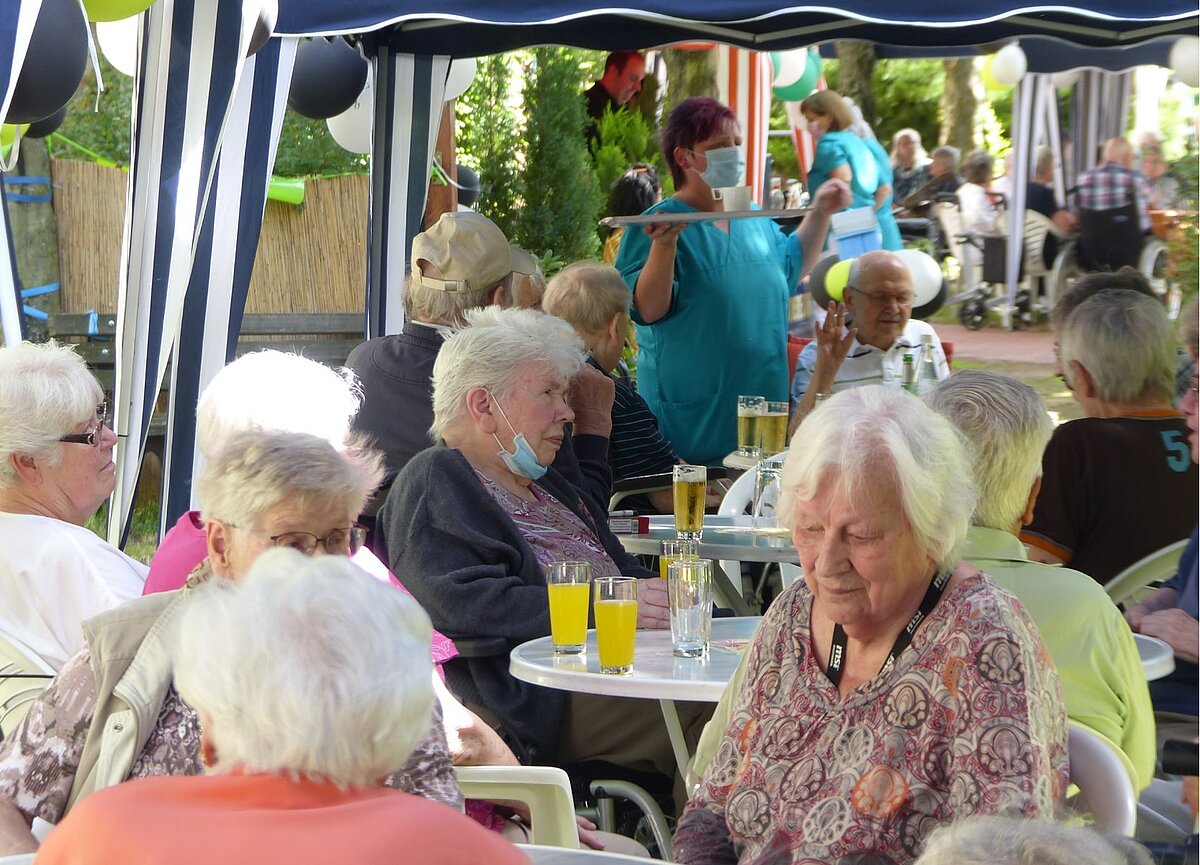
(837, 647)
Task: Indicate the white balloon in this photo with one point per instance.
(792, 65)
(462, 73)
(925, 272)
(118, 43)
(1062, 80)
(352, 128)
(1009, 65)
(1185, 60)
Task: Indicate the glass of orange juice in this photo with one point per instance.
(569, 586)
(616, 622)
(673, 551)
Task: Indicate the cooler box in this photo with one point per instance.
(855, 232)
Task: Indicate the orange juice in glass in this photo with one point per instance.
(616, 622)
(568, 585)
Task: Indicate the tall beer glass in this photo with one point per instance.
(690, 483)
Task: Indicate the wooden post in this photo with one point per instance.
(443, 198)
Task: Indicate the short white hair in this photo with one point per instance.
(275, 391)
(307, 666)
(1007, 427)
(491, 352)
(45, 391)
(1124, 340)
(866, 436)
(256, 471)
(920, 157)
(996, 840)
(586, 295)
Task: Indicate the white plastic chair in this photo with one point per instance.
(1038, 227)
(23, 675)
(737, 502)
(1158, 566)
(545, 789)
(1103, 775)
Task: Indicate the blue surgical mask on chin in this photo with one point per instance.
(726, 167)
(521, 460)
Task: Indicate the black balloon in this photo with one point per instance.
(816, 281)
(263, 27)
(54, 62)
(327, 78)
(468, 186)
(42, 128)
(928, 309)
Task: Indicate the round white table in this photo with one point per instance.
(657, 674)
(726, 538)
(1158, 660)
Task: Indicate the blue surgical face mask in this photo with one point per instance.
(726, 167)
(521, 460)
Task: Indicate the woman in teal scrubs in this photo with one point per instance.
(841, 154)
(710, 298)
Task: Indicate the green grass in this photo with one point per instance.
(143, 534)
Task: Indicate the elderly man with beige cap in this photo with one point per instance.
(464, 261)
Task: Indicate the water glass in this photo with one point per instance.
(766, 492)
(616, 622)
(569, 587)
(673, 551)
(689, 488)
(689, 593)
(750, 409)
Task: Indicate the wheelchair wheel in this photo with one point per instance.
(973, 313)
(1023, 314)
(1062, 274)
(1152, 263)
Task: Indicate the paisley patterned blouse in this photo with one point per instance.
(970, 720)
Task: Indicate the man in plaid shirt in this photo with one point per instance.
(1113, 183)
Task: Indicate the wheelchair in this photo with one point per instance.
(1111, 239)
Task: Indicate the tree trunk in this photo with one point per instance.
(35, 232)
(958, 105)
(690, 72)
(856, 62)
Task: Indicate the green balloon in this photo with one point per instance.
(807, 82)
(8, 134)
(114, 10)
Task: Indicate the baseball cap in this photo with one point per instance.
(466, 250)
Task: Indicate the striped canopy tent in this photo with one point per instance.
(206, 120)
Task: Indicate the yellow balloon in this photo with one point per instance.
(8, 134)
(986, 76)
(835, 279)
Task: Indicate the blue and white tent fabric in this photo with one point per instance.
(16, 26)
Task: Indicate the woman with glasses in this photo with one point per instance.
(113, 712)
(56, 469)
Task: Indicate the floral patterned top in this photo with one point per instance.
(552, 529)
(970, 720)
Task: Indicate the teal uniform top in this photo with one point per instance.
(887, 221)
(725, 333)
(843, 147)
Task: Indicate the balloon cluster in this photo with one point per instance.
(351, 126)
(796, 73)
(827, 281)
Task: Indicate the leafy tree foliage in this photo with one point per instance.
(559, 186)
(624, 138)
(488, 141)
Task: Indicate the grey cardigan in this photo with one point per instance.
(465, 560)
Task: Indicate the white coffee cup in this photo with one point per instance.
(732, 197)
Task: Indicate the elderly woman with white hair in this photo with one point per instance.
(56, 469)
(472, 524)
(895, 688)
(314, 683)
(114, 713)
(994, 840)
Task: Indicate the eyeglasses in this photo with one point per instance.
(883, 298)
(339, 542)
(90, 436)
